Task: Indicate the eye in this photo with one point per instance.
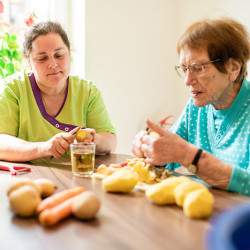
(184, 69)
(41, 59)
(197, 68)
(59, 56)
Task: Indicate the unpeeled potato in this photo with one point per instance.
(21, 182)
(86, 205)
(47, 186)
(24, 200)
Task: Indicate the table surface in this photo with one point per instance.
(124, 221)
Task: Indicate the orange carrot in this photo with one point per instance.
(58, 198)
(51, 216)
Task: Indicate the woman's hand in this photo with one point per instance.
(137, 143)
(59, 144)
(168, 147)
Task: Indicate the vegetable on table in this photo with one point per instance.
(58, 198)
(51, 216)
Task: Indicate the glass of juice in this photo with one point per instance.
(82, 158)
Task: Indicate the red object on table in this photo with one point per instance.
(14, 169)
(123, 164)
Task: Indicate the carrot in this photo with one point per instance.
(51, 216)
(58, 198)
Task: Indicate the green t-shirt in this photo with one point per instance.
(23, 114)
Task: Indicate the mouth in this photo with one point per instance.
(195, 93)
(54, 73)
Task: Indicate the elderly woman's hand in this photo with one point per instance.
(168, 147)
(137, 143)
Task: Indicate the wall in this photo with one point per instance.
(131, 52)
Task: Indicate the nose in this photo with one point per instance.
(189, 78)
(52, 63)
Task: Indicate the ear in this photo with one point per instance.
(234, 67)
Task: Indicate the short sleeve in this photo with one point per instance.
(97, 115)
(9, 108)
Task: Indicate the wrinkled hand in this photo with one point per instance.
(137, 143)
(168, 147)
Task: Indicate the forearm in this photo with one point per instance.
(106, 142)
(210, 169)
(15, 149)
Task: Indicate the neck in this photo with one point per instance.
(228, 97)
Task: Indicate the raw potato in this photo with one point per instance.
(120, 181)
(163, 193)
(83, 134)
(86, 205)
(21, 182)
(24, 200)
(47, 186)
(198, 204)
(182, 190)
(154, 134)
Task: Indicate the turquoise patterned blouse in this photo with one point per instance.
(223, 133)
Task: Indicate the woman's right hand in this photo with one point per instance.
(137, 143)
(59, 144)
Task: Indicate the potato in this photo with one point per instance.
(198, 204)
(154, 134)
(86, 205)
(163, 193)
(21, 182)
(83, 135)
(24, 200)
(182, 190)
(47, 186)
(120, 181)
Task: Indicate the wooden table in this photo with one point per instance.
(125, 221)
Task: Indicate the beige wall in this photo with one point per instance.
(130, 53)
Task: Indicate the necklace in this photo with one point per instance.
(57, 103)
(46, 108)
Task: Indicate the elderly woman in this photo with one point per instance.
(211, 138)
(40, 111)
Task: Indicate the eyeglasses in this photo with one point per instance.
(196, 69)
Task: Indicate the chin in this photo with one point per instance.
(200, 104)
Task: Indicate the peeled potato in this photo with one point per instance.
(120, 181)
(163, 193)
(21, 182)
(24, 200)
(83, 135)
(47, 186)
(177, 180)
(154, 134)
(198, 204)
(182, 190)
(86, 205)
